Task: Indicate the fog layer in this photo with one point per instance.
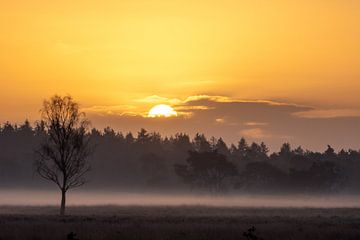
(36, 198)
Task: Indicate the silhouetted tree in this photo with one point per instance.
(143, 137)
(201, 144)
(330, 154)
(221, 147)
(40, 128)
(242, 147)
(285, 151)
(343, 155)
(129, 138)
(109, 133)
(239, 152)
(180, 145)
(182, 142)
(264, 149)
(325, 176)
(154, 169)
(261, 176)
(207, 170)
(62, 157)
(26, 129)
(8, 129)
(212, 143)
(256, 152)
(299, 151)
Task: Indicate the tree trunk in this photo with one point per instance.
(63, 202)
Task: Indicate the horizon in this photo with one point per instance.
(231, 119)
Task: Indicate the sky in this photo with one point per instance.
(270, 71)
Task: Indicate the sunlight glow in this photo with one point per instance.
(162, 110)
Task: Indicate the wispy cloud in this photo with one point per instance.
(328, 113)
(255, 133)
(155, 99)
(220, 120)
(207, 97)
(120, 110)
(226, 99)
(252, 124)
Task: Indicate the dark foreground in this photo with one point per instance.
(195, 222)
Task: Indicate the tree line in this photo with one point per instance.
(61, 148)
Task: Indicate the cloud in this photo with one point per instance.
(207, 97)
(221, 116)
(120, 110)
(155, 99)
(328, 113)
(256, 124)
(220, 120)
(255, 133)
(225, 99)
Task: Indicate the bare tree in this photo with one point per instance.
(62, 156)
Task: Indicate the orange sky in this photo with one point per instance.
(111, 54)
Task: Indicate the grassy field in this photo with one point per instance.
(182, 222)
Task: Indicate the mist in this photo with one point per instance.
(102, 198)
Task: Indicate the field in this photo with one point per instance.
(178, 222)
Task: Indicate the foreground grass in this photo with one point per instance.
(183, 222)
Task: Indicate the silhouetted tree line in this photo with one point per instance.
(146, 160)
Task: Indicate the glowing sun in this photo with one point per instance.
(162, 110)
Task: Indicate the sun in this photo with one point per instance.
(162, 110)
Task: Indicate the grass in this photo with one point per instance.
(182, 222)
